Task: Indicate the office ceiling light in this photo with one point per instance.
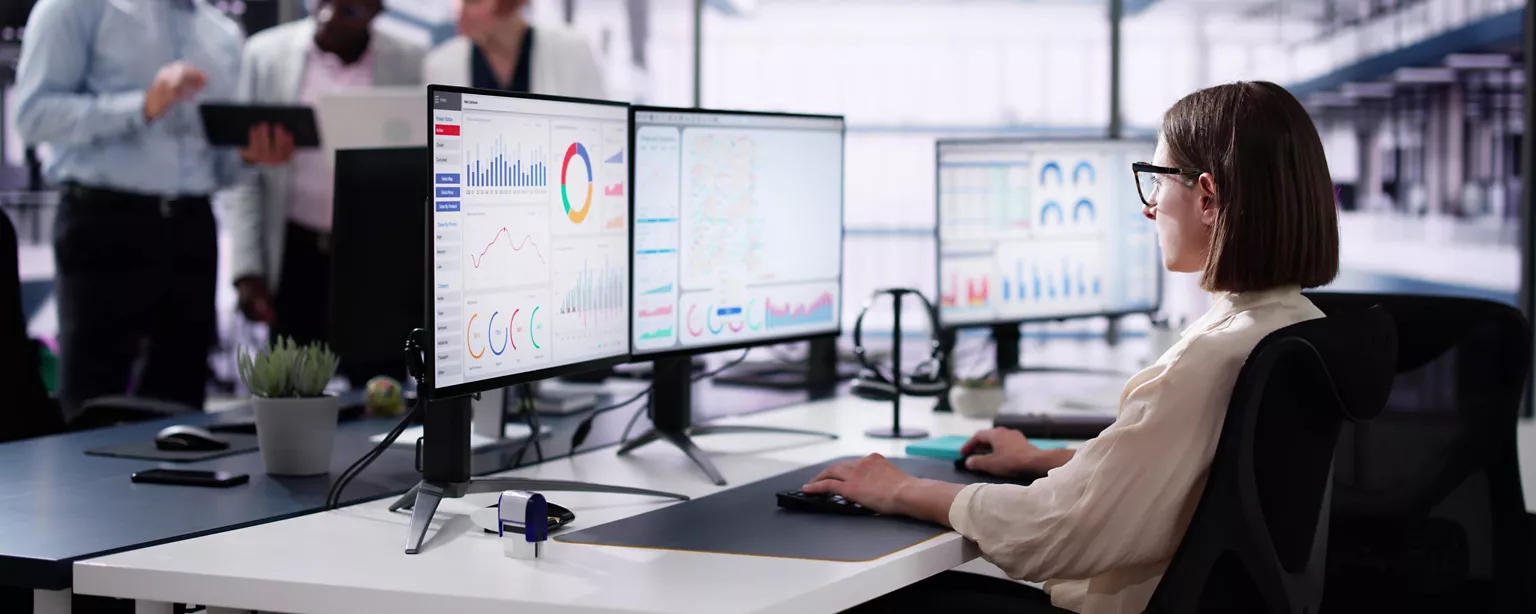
(1362, 91)
(1478, 61)
(1424, 76)
(1324, 100)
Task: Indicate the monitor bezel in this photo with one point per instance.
(938, 244)
(842, 273)
(430, 390)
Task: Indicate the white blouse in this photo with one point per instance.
(1102, 528)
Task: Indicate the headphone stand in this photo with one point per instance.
(672, 417)
(895, 431)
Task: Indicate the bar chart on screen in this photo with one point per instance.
(1046, 278)
(966, 284)
(510, 161)
(593, 299)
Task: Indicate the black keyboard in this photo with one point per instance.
(827, 503)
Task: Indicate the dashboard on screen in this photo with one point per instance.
(1038, 229)
(530, 243)
(738, 228)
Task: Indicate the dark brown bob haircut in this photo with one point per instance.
(1276, 222)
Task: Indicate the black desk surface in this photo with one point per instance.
(59, 505)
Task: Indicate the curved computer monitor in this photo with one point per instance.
(529, 242)
(738, 229)
(1036, 229)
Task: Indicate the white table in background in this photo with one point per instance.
(351, 560)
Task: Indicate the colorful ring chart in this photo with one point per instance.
(467, 337)
(577, 215)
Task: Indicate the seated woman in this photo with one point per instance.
(1240, 192)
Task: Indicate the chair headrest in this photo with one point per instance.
(1359, 352)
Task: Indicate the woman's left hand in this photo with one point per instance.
(871, 481)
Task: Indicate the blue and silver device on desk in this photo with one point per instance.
(528, 510)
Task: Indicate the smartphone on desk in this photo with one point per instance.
(191, 477)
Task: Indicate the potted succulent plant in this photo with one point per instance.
(295, 418)
(979, 397)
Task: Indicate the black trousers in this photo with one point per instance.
(954, 591)
(136, 278)
(303, 301)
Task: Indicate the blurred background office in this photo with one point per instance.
(1420, 103)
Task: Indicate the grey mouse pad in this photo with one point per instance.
(146, 450)
(747, 520)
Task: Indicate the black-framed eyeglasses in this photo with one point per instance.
(1148, 178)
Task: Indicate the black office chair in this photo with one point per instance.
(1257, 541)
(1427, 509)
(27, 409)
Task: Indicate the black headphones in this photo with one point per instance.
(927, 380)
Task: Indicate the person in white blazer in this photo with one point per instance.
(498, 49)
(280, 222)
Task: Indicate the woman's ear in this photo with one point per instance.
(1207, 186)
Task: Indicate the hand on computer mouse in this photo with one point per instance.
(1011, 454)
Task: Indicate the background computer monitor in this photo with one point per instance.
(738, 229)
(1034, 230)
(529, 241)
(377, 238)
(738, 242)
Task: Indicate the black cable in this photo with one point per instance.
(585, 427)
(632, 420)
(333, 498)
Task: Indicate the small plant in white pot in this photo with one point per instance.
(295, 418)
(978, 397)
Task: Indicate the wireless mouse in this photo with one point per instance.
(186, 438)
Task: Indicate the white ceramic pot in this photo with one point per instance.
(296, 435)
(976, 403)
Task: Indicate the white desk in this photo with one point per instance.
(351, 560)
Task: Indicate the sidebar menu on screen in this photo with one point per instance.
(447, 220)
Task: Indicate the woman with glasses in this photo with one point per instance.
(498, 49)
(1240, 193)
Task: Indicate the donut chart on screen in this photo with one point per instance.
(577, 215)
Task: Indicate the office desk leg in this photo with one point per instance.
(52, 602)
(153, 607)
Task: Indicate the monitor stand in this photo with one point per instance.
(819, 374)
(672, 417)
(445, 469)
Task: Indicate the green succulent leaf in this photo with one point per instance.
(287, 369)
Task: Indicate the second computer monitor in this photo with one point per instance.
(1032, 230)
(738, 229)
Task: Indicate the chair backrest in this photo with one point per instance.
(1428, 496)
(26, 410)
(1257, 540)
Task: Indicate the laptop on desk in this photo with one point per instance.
(370, 118)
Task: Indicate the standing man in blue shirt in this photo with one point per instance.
(110, 86)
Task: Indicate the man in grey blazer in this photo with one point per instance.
(280, 222)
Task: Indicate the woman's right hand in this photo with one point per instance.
(1012, 454)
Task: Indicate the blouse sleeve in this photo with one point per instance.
(1126, 497)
